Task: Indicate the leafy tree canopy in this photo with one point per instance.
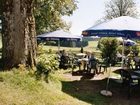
(48, 14)
(117, 8)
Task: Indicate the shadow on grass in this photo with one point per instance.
(89, 91)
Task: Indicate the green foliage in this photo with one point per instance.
(45, 65)
(42, 50)
(108, 47)
(48, 14)
(127, 50)
(135, 49)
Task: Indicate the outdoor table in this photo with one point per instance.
(81, 54)
(84, 62)
(85, 59)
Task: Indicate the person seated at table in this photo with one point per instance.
(93, 64)
(79, 57)
(119, 57)
(85, 61)
(64, 59)
(137, 61)
(128, 63)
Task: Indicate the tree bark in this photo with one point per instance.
(18, 34)
(31, 43)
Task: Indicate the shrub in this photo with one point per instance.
(108, 47)
(40, 49)
(135, 49)
(127, 50)
(45, 65)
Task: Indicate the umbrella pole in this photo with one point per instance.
(122, 65)
(81, 46)
(107, 92)
(58, 45)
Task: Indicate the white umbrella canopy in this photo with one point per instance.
(123, 26)
(59, 35)
(120, 23)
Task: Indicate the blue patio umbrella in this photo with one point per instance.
(127, 42)
(59, 35)
(124, 26)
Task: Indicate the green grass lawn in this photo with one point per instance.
(92, 47)
(20, 88)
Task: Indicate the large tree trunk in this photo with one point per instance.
(30, 43)
(18, 35)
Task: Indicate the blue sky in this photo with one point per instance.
(88, 12)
